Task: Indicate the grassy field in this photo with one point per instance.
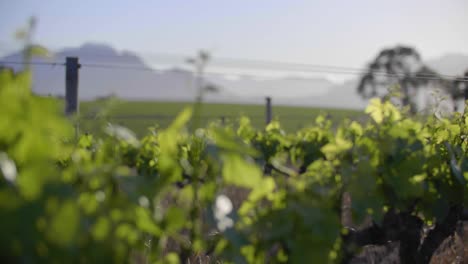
(139, 115)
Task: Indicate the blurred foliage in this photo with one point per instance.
(162, 198)
(30, 49)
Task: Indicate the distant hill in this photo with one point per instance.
(130, 82)
(450, 64)
(100, 81)
(288, 88)
(345, 96)
(110, 72)
(339, 96)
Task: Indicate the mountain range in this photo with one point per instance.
(105, 71)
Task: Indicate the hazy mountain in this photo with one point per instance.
(287, 88)
(345, 96)
(106, 71)
(450, 64)
(338, 96)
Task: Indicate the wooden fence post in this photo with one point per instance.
(268, 110)
(71, 85)
(466, 85)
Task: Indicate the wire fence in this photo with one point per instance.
(259, 65)
(229, 63)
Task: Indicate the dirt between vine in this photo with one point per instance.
(454, 250)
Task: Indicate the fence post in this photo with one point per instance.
(454, 98)
(268, 110)
(71, 85)
(466, 88)
(465, 95)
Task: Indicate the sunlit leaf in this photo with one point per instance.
(38, 51)
(239, 172)
(375, 110)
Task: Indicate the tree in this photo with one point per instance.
(399, 65)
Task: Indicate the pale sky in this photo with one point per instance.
(330, 32)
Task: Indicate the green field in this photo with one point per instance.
(139, 115)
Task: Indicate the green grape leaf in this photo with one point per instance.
(236, 170)
(64, 224)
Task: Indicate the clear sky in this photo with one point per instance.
(331, 32)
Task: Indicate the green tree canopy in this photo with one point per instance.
(400, 65)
